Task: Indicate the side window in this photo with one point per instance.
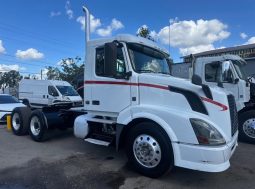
(100, 66)
(212, 72)
(52, 91)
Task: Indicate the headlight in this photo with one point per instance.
(206, 134)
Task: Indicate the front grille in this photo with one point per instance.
(77, 104)
(233, 114)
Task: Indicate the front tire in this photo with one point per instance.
(149, 149)
(247, 126)
(20, 120)
(37, 126)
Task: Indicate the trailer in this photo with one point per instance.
(131, 101)
(230, 73)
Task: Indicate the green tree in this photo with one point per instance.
(144, 31)
(70, 69)
(10, 79)
(53, 73)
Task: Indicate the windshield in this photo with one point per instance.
(239, 67)
(5, 99)
(67, 91)
(147, 60)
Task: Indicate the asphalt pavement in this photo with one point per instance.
(65, 162)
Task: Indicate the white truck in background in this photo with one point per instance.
(132, 101)
(41, 93)
(228, 72)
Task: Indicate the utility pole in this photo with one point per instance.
(169, 35)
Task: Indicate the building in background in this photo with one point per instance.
(247, 52)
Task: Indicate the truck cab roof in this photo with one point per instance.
(127, 38)
(202, 60)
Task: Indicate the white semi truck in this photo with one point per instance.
(132, 101)
(228, 72)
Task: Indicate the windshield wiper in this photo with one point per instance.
(146, 71)
(164, 73)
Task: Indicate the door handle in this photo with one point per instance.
(95, 102)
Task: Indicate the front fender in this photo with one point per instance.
(176, 123)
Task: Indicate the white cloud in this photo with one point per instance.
(104, 32)
(250, 41)
(29, 54)
(7, 68)
(173, 20)
(69, 11)
(67, 61)
(94, 22)
(243, 35)
(192, 36)
(196, 49)
(54, 14)
(2, 49)
(191, 33)
(115, 25)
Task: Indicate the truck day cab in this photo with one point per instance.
(227, 71)
(131, 100)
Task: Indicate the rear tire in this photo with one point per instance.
(247, 126)
(20, 120)
(37, 126)
(149, 149)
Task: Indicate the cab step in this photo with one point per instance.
(99, 139)
(98, 142)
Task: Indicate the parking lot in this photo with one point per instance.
(67, 162)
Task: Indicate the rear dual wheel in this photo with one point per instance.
(37, 126)
(20, 120)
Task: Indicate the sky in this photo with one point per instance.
(39, 33)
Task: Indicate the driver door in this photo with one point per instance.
(52, 94)
(213, 74)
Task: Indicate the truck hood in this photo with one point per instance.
(10, 107)
(218, 107)
(74, 98)
(167, 80)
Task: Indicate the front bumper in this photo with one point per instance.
(205, 158)
(3, 116)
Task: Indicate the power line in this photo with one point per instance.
(40, 61)
(26, 63)
(46, 45)
(23, 72)
(41, 36)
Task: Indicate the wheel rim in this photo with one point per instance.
(35, 126)
(16, 121)
(249, 127)
(147, 151)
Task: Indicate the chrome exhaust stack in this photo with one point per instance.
(87, 24)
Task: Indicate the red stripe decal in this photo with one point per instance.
(224, 107)
(127, 83)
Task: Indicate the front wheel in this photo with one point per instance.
(247, 126)
(149, 149)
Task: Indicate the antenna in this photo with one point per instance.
(169, 35)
